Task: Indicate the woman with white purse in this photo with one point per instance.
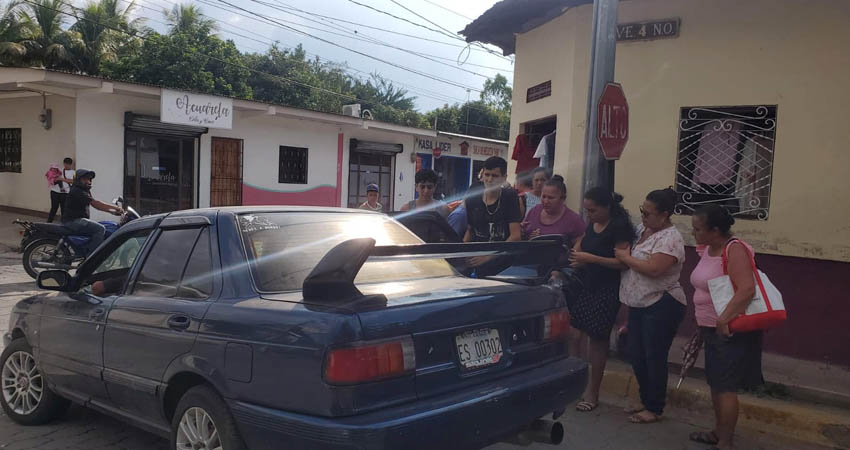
(732, 360)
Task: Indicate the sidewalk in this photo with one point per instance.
(10, 237)
(794, 418)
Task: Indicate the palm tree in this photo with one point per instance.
(13, 30)
(187, 17)
(104, 28)
(50, 44)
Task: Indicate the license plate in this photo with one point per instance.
(479, 348)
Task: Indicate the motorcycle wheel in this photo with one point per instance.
(41, 250)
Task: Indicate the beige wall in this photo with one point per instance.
(790, 53)
(39, 148)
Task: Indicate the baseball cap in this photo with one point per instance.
(372, 187)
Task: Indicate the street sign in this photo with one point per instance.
(612, 124)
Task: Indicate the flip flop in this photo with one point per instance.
(584, 406)
(637, 418)
(704, 437)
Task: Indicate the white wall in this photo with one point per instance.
(39, 148)
(100, 140)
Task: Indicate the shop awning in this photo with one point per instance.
(152, 125)
(376, 147)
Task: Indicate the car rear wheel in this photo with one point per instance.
(24, 394)
(203, 421)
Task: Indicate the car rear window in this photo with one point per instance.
(284, 247)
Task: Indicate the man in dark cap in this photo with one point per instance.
(371, 203)
(76, 216)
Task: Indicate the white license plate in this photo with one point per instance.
(479, 348)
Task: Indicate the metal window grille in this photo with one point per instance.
(293, 165)
(725, 157)
(10, 150)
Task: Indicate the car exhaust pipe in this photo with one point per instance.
(47, 265)
(540, 431)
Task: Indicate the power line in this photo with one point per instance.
(145, 38)
(370, 40)
(415, 89)
(443, 32)
(449, 10)
(423, 17)
(423, 74)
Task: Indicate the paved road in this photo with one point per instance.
(604, 429)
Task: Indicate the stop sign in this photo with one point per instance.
(612, 121)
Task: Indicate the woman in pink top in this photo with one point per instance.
(552, 216)
(732, 361)
(656, 301)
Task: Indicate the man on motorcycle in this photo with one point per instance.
(76, 216)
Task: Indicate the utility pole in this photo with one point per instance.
(467, 112)
(598, 171)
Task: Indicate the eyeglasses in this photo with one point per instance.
(644, 213)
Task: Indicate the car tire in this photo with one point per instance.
(200, 408)
(24, 394)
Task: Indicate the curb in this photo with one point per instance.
(809, 422)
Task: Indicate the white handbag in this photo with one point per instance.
(766, 308)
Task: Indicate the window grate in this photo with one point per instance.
(10, 150)
(293, 165)
(725, 157)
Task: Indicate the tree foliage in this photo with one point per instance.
(105, 40)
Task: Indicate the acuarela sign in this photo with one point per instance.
(199, 110)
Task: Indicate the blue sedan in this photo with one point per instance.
(273, 328)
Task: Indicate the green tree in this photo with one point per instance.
(13, 30)
(48, 43)
(475, 118)
(183, 18)
(106, 29)
(497, 94)
(189, 57)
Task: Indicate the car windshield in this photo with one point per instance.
(284, 247)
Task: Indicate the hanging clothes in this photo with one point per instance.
(524, 154)
(716, 158)
(546, 146)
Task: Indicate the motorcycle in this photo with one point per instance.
(51, 246)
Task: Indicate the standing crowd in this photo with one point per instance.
(609, 262)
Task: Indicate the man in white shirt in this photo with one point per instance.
(59, 189)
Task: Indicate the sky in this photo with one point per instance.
(253, 34)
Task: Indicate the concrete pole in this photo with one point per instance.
(603, 48)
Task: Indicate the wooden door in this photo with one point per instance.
(226, 172)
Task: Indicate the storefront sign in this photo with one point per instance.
(489, 150)
(433, 146)
(195, 109)
(644, 31)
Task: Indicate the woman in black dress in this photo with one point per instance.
(594, 310)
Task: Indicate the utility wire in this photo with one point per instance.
(447, 9)
(145, 38)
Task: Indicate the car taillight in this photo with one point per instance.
(370, 361)
(556, 325)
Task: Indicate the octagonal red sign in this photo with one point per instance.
(612, 121)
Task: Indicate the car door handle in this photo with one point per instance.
(96, 313)
(179, 322)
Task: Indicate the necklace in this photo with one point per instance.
(498, 204)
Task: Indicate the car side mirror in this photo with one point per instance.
(54, 280)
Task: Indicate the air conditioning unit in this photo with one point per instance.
(351, 110)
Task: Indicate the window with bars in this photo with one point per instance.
(10, 150)
(293, 165)
(725, 157)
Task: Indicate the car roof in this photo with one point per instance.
(212, 212)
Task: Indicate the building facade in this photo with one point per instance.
(264, 155)
(734, 103)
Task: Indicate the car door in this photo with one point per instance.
(158, 320)
(70, 342)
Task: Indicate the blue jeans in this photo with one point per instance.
(651, 333)
(86, 227)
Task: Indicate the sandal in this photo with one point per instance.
(585, 406)
(704, 437)
(643, 418)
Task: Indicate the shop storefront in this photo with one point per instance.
(457, 159)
